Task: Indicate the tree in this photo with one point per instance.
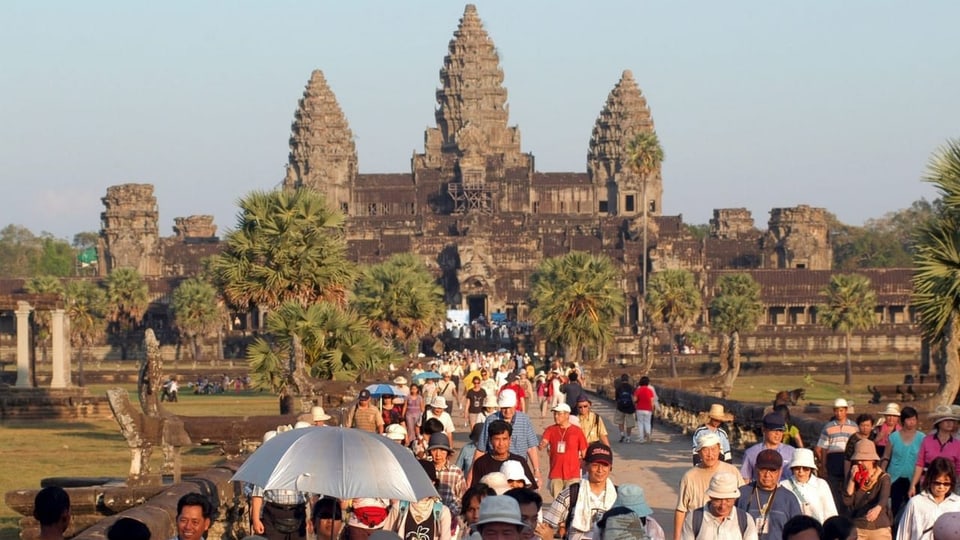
(400, 298)
(288, 246)
(55, 257)
(337, 344)
(849, 307)
(936, 280)
(576, 300)
(196, 312)
(674, 302)
(127, 301)
(86, 309)
(45, 284)
(644, 157)
(735, 308)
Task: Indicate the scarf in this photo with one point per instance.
(865, 480)
(583, 512)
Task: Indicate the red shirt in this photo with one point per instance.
(565, 466)
(644, 398)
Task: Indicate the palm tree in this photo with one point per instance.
(43, 285)
(850, 307)
(576, 300)
(735, 308)
(644, 157)
(674, 302)
(400, 298)
(288, 246)
(936, 281)
(127, 301)
(86, 308)
(196, 312)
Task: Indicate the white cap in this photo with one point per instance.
(561, 407)
(301, 424)
(396, 432)
(840, 403)
(438, 402)
(707, 440)
(508, 398)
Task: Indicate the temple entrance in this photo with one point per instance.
(477, 306)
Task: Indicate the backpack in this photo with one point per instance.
(625, 402)
(571, 504)
(698, 521)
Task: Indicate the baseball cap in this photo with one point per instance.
(364, 395)
(598, 452)
(561, 407)
(769, 459)
(774, 422)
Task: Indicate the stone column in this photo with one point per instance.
(23, 345)
(61, 371)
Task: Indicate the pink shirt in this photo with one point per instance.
(931, 448)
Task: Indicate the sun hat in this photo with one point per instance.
(631, 496)
(892, 410)
(490, 402)
(865, 450)
(439, 440)
(318, 414)
(774, 422)
(302, 424)
(438, 402)
(269, 435)
(947, 526)
(716, 411)
(500, 509)
(598, 452)
(496, 481)
(561, 407)
(840, 403)
(507, 399)
(401, 380)
(941, 413)
(803, 457)
(707, 440)
(769, 460)
(513, 470)
(396, 432)
(724, 485)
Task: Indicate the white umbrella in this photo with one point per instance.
(339, 462)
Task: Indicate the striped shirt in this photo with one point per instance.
(450, 486)
(523, 438)
(279, 496)
(834, 436)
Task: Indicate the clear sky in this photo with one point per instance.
(758, 104)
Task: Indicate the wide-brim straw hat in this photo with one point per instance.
(892, 410)
(941, 413)
(717, 412)
(318, 414)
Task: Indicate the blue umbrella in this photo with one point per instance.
(426, 375)
(383, 389)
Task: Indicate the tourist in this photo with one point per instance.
(422, 442)
(900, 458)
(565, 444)
(516, 477)
(278, 514)
(319, 416)
(451, 482)
(425, 519)
(465, 457)
(718, 518)
(543, 393)
(578, 512)
(327, 518)
(526, 390)
(696, 481)
(438, 409)
(500, 435)
(364, 415)
(630, 517)
(396, 433)
(127, 529)
(366, 516)
(626, 408)
(593, 427)
(645, 398)
(530, 503)
(51, 508)
(937, 498)
(523, 440)
(497, 481)
(813, 493)
(773, 428)
(770, 505)
(889, 426)
(500, 518)
(414, 408)
(831, 446)
(194, 512)
(791, 435)
(447, 389)
(512, 384)
(802, 528)
(866, 494)
(572, 390)
(473, 402)
(839, 528)
(864, 431)
(940, 443)
(716, 417)
(470, 509)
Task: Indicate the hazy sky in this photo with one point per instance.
(758, 104)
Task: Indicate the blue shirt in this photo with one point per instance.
(770, 525)
(749, 468)
(465, 459)
(523, 438)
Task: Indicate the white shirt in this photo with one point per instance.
(714, 528)
(816, 499)
(920, 514)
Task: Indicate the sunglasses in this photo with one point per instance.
(583, 406)
(945, 484)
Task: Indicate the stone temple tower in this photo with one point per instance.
(323, 155)
(624, 115)
(798, 237)
(472, 141)
(129, 233)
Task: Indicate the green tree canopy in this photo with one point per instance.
(400, 298)
(576, 300)
(736, 307)
(850, 306)
(196, 311)
(127, 302)
(86, 305)
(673, 301)
(45, 284)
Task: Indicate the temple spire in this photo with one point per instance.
(323, 155)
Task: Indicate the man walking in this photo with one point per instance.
(523, 440)
(590, 422)
(566, 444)
(646, 400)
(580, 506)
(51, 507)
(770, 504)
(696, 481)
(194, 512)
(719, 518)
(773, 429)
(831, 446)
(365, 416)
(626, 415)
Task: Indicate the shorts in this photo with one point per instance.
(629, 420)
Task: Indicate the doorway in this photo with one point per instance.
(477, 306)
